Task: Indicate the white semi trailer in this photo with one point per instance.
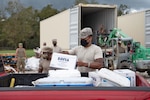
(65, 26)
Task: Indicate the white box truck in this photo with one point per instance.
(65, 26)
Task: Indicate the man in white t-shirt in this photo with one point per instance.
(55, 47)
(90, 56)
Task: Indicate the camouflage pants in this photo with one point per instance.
(21, 64)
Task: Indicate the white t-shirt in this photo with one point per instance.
(88, 54)
(56, 49)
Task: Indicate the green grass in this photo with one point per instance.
(29, 53)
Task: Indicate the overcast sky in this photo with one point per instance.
(60, 4)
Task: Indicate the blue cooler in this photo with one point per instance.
(61, 82)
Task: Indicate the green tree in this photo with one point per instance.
(123, 9)
(85, 2)
(94, 2)
(10, 26)
(14, 7)
(21, 26)
(30, 27)
(81, 1)
(47, 11)
(63, 9)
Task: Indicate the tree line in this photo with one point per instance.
(21, 24)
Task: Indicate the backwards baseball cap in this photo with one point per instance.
(85, 32)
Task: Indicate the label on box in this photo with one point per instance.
(105, 82)
(95, 78)
(63, 61)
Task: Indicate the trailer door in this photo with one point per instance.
(147, 28)
(74, 26)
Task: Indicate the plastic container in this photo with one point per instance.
(128, 74)
(63, 81)
(106, 77)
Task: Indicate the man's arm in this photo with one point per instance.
(65, 52)
(16, 55)
(40, 68)
(97, 64)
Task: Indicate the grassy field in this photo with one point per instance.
(29, 53)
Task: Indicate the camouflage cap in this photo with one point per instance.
(47, 49)
(85, 32)
(20, 44)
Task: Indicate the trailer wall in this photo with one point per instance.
(66, 26)
(136, 25)
(55, 27)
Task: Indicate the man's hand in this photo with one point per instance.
(65, 52)
(80, 64)
(97, 64)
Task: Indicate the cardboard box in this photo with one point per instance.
(129, 74)
(63, 61)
